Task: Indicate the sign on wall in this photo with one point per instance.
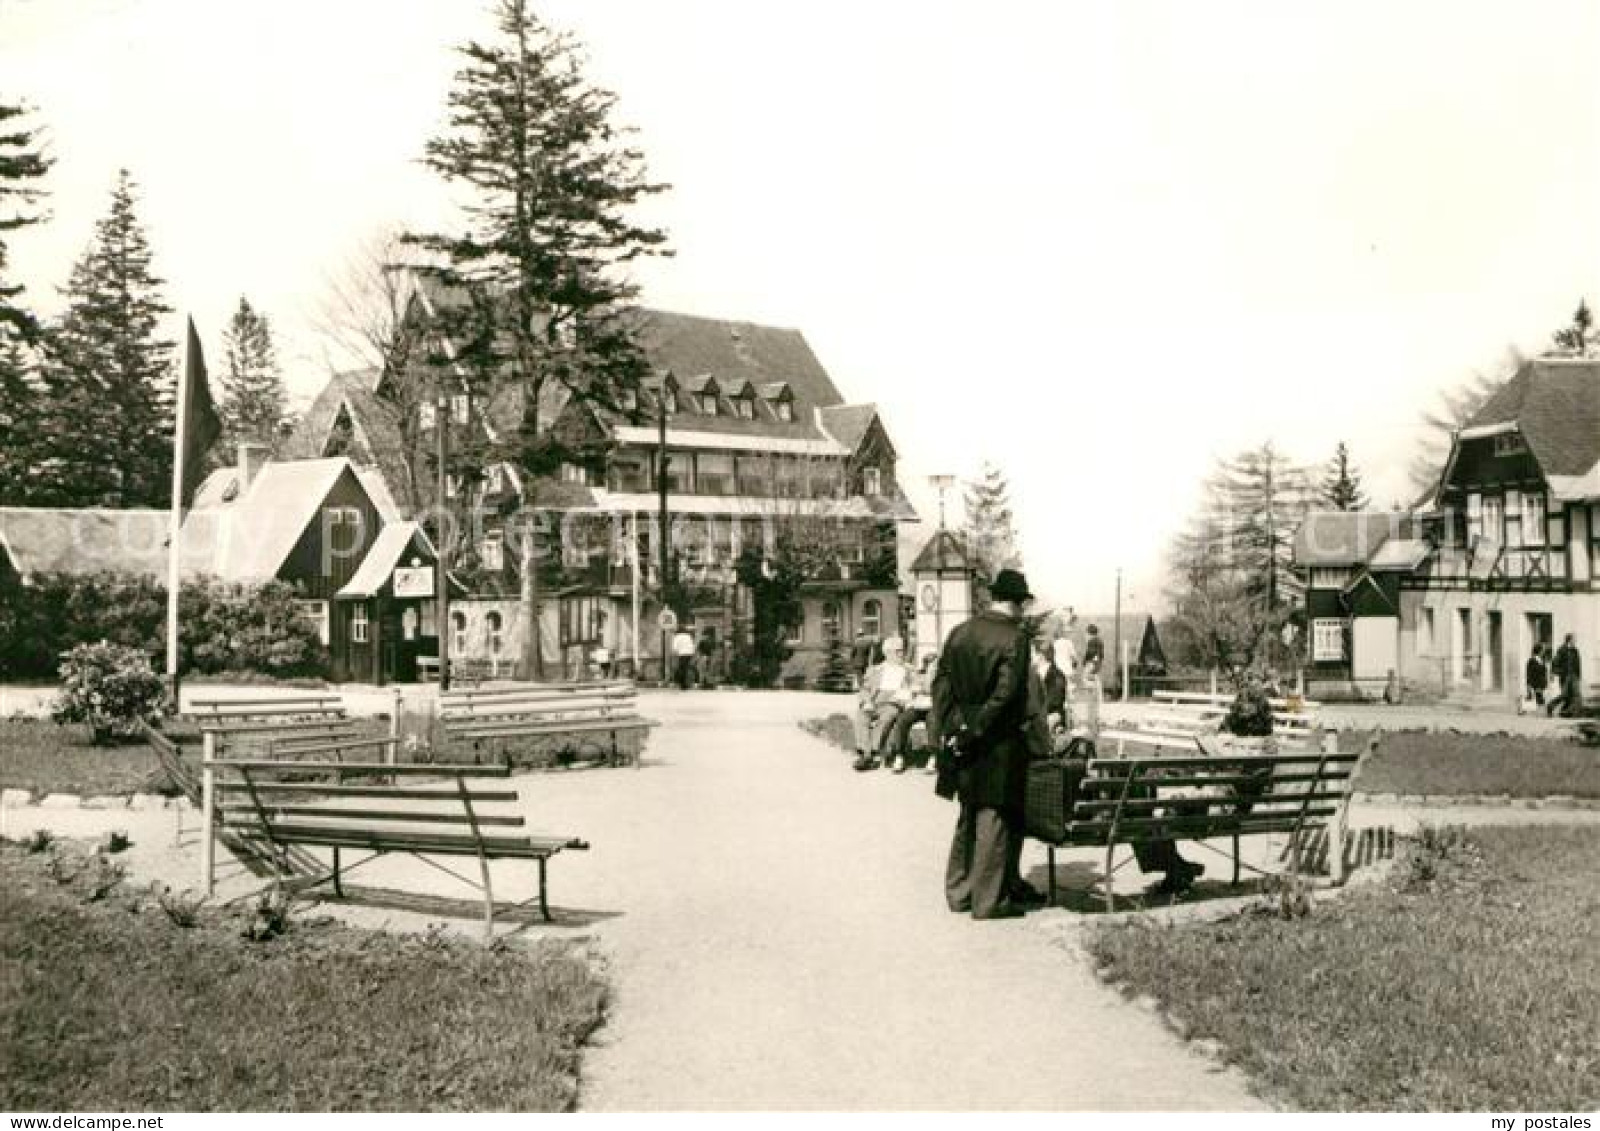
(413, 581)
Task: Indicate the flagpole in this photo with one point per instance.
(175, 519)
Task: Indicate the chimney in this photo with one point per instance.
(252, 457)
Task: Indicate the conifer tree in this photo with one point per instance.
(539, 271)
(989, 531)
(1341, 486)
(253, 398)
(108, 374)
(22, 162)
(1579, 338)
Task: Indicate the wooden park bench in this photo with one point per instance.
(283, 807)
(280, 725)
(592, 714)
(1294, 722)
(1163, 787)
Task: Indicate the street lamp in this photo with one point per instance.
(940, 483)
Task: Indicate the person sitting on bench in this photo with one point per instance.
(885, 692)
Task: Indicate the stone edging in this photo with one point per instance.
(1493, 801)
(144, 802)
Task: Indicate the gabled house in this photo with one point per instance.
(757, 436)
(324, 526)
(1504, 554)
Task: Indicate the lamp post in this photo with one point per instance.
(663, 462)
(940, 483)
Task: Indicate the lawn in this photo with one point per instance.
(1467, 983)
(108, 1005)
(1413, 762)
(44, 758)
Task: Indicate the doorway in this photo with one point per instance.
(1494, 653)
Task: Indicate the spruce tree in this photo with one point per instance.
(1341, 486)
(1579, 338)
(989, 531)
(22, 162)
(253, 398)
(108, 374)
(18, 423)
(540, 267)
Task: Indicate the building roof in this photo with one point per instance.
(944, 551)
(1555, 404)
(1399, 554)
(1346, 538)
(375, 432)
(848, 423)
(394, 542)
(263, 526)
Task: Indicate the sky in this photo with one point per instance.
(1102, 244)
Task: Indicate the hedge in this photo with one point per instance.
(222, 626)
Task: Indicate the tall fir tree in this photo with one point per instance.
(989, 530)
(22, 164)
(1341, 486)
(540, 269)
(108, 373)
(253, 399)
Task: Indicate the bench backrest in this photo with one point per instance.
(616, 701)
(1223, 700)
(1198, 795)
(370, 804)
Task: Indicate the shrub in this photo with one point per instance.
(111, 688)
(222, 626)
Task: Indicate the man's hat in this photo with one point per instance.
(1010, 585)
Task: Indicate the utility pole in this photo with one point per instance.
(663, 462)
(1116, 635)
(442, 582)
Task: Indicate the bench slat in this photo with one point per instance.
(445, 843)
(1259, 801)
(1120, 767)
(1210, 825)
(510, 730)
(441, 768)
(290, 811)
(399, 793)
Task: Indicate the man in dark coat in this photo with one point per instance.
(980, 721)
(1567, 667)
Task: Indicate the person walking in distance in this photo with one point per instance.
(979, 722)
(1567, 667)
(1094, 655)
(1537, 675)
(683, 656)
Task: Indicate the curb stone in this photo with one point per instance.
(62, 801)
(1489, 801)
(15, 798)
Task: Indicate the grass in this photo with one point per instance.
(1447, 763)
(1466, 984)
(45, 758)
(108, 1004)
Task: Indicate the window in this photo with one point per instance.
(495, 625)
(680, 472)
(460, 408)
(574, 473)
(1474, 517)
(872, 616)
(1494, 518)
(784, 410)
(458, 633)
(671, 399)
(714, 473)
(359, 624)
(426, 416)
(581, 620)
(708, 403)
(755, 476)
(1509, 444)
(1327, 640)
(430, 618)
(628, 400)
(315, 613)
(871, 482)
(494, 478)
(745, 406)
(630, 471)
(1326, 577)
(492, 551)
(450, 488)
(1533, 519)
(1425, 633)
(795, 633)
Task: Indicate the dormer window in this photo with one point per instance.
(629, 400)
(745, 406)
(708, 403)
(871, 482)
(784, 411)
(669, 398)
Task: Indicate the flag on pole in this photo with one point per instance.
(198, 425)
